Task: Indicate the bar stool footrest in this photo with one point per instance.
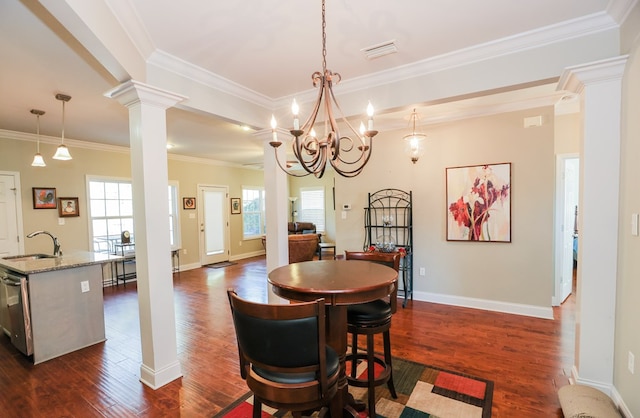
(381, 379)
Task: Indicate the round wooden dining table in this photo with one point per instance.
(340, 283)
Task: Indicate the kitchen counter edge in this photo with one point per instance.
(66, 261)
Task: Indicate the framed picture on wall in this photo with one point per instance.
(235, 206)
(68, 206)
(479, 203)
(188, 203)
(44, 198)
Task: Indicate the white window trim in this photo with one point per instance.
(177, 241)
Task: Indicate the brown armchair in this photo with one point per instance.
(284, 357)
(302, 247)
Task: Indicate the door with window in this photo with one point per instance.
(213, 218)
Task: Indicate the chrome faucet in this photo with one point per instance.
(56, 244)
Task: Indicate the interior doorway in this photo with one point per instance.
(566, 225)
(213, 218)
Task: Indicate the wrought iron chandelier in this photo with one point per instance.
(347, 154)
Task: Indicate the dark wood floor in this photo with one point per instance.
(527, 358)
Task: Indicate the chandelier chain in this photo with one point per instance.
(324, 41)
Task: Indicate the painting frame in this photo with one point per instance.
(236, 207)
(44, 198)
(188, 203)
(478, 203)
(68, 207)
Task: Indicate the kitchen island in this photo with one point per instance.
(61, 300)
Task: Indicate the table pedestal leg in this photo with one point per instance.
(337, 339)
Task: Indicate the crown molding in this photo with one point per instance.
(74, 143)
(167, 62)
(591, 24)
(126, 14)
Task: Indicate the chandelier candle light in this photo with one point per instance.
(347, 154)
(62, 153)
(38, 161)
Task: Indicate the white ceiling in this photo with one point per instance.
(266, 49)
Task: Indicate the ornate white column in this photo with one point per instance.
(600, 87)
(276, 188)
(148, 141)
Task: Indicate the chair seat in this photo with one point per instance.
(366, 313)
(333, 364)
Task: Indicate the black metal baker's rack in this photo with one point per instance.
(388, 222)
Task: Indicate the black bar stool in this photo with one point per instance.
(369, 319)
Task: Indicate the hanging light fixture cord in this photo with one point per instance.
(64, 98)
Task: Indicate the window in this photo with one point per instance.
(253, 212)
(111, 213)
(312, 206)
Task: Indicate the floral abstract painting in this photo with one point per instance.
(479, 203)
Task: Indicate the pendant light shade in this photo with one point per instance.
(414, 146)
(62, 153)
(38, 161)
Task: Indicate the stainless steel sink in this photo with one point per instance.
(28, 257)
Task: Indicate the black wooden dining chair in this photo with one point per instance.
(369, 319)
(283, 353)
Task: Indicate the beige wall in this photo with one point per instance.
(520, 272)
(627, 336)
(69, 179)
(567, 133)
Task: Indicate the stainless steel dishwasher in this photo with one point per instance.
(15, 294)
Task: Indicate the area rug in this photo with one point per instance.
(423, 391)
(221, 264)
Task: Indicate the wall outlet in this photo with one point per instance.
(60, 221)
(631, 362)
(184, 251)
(84, 286)
(240, 244)
(423, 271)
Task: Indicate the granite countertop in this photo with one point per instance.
(65, 261)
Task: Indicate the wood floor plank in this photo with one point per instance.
(527, 358)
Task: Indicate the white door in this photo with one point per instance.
(10, 215)
(213, 217)
(567, 201)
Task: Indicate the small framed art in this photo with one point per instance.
(235, 206)
(188, 203)
(44, 198)
(68, 206)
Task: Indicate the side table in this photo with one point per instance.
(326, 246)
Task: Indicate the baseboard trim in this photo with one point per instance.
(543, 312)
(158, 378)
(610, 390)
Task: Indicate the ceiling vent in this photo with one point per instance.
(379, 50)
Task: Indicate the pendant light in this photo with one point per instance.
(38, 161)
(414, 146)
(62, 153)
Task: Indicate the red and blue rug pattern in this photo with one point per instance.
(423, 391)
